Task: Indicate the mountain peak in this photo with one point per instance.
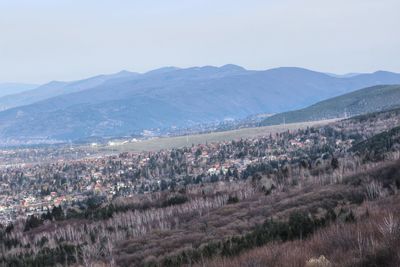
(232, 67)
(123, 72)
(383, 72)
(163, 70)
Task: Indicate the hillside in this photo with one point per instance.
(55, 88)
(283, 199)
(379, 144)
(15, 88)
(362, 101)
(119, 106)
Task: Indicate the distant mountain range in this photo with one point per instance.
(127, 103)
(15, 88)
(56, 88)
(371, 99)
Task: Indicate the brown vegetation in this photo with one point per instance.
(373, 240)
(200, 223)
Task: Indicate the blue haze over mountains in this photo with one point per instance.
(15, 88)
(126, 103)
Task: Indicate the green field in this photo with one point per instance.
(182, 141)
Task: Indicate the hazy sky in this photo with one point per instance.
(46, 40)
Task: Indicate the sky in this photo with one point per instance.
(46, 40)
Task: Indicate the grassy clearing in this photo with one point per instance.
(181, 141)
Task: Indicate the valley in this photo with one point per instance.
(205, 203)
(199, 133)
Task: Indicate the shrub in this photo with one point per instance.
(233, 200)
(32, 222)
(175, 200)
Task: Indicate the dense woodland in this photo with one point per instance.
(315, 196)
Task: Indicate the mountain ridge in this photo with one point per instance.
(128, 104)
(366, 100)
(10, 88)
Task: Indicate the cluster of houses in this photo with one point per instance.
(35, 188)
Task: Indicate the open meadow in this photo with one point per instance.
(182, 141)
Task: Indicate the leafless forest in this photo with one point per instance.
(321, 196)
